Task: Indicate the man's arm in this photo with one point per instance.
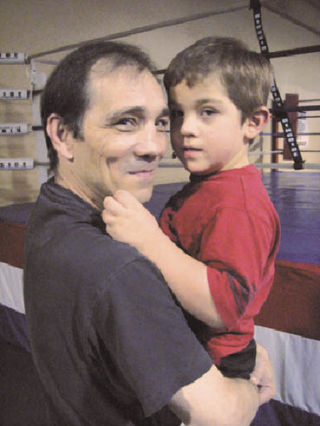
(129, 222)
(263, 375)
(216, 400)
(160, 356)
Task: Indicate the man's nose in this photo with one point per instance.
(151, 143)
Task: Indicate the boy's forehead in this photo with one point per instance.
(203, 87)
(192, 79)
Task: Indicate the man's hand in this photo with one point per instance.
(213, 399)
(128, 221)
(263, 376)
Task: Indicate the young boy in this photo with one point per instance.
(224, 231)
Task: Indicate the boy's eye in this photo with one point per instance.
(207, 112)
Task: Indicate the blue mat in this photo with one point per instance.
(296, 196)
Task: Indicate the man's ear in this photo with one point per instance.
(256, 122)
(60, 136)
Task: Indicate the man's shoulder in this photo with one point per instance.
(90, 249)
(67, 235)
(75, 246)
(98, 251)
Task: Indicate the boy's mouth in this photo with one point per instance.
(189, 151)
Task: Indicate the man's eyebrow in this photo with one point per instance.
(135, 110)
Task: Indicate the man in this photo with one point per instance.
(109, 343)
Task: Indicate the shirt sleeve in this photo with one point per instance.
(237, 248)
(146, 333)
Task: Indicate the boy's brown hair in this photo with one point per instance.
(246, 75)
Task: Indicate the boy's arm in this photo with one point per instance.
(128, 221)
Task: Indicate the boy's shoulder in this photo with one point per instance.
(229, 188)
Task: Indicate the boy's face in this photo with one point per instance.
(206, 130)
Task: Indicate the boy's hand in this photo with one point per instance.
(128, 221)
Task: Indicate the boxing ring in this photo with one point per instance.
(289, 323)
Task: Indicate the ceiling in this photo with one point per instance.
(304, 13)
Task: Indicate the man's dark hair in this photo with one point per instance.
(66, 94)
(246, 75)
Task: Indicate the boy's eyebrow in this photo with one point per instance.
(208, 101)
(199, 102)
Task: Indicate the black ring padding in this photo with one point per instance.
(298, 165)
(278, 105)
(255, 6)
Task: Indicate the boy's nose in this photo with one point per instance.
(189, 126)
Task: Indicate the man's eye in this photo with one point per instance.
(126, 124)
(162, 125)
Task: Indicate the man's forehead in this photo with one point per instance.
(127, 90)
(125, 76)
(107, 65)
(107, 68)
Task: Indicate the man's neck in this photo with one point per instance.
(62, 180)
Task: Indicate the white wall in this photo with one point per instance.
(40, 25)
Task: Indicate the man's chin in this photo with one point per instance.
(143, 195)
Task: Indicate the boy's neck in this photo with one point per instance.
(238, 161)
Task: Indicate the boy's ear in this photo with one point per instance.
(256, 122)
(60, 136)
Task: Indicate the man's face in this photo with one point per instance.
(206, 130)
(124, 132)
